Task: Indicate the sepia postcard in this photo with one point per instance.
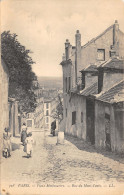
(62, 97)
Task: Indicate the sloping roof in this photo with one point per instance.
(91, 90)
(113, 63)
(90, 68)
(112, 93)
(94, 39)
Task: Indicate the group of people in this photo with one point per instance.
(27, 140)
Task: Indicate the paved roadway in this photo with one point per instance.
(60, 163)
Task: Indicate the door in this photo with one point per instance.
(90, 113)
(107, 132)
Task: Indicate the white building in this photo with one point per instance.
(36, 119)
(49, 109)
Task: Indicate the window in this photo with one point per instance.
(29, 123)
(73, 117)
(81, 117)
(47, 105)
(83, 80)
(69, 80)
(47, 112)
(100, 81)
(66, 87)
(66, 112)
(101, 54)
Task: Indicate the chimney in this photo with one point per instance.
(78, 55)
(113, 52)
(63, 57)
(115, 37)
(67, 46)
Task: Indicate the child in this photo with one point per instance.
(29, 145)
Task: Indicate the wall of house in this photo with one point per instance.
(110, 79)
(13, 117)
(49, 113)
(39, 111)
(89, 79)
(99, 125)
(75, 103)
(4, 83)
(67, 72)
(116, 126)
(46, 115)
(89, 53)
(121, 44)
(73, 74)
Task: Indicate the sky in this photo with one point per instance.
(44, 25)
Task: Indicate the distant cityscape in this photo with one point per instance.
(50, 82)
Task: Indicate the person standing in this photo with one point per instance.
(23, 133)
(7, 147)
(54, 127)
(28, 147)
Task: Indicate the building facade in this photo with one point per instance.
(36, 119)
(109, 106)
(86, 74)
(9, 106)
(4, 86)
(49, 110)
(39, 111)
(14, 117)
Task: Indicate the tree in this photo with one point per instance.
(21, 75)
(58, 114)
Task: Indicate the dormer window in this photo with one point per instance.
(101, 54)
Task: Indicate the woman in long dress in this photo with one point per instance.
(23, 133)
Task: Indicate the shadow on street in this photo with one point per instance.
(15, 146)
(83, 145)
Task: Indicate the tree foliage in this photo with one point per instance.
(58, 114)
(21, 75)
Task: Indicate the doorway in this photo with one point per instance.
(107, 132)
(90, 117)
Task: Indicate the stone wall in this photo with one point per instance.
(99, 125)
(4, 83)
(75, 103)
(13, 117)
(116, 126)
(118, 130)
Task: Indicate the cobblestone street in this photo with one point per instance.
(73, 162)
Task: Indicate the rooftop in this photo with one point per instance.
(115, 94)
(90, 68)
(113, 63)
(94, 39)
(91, 90)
